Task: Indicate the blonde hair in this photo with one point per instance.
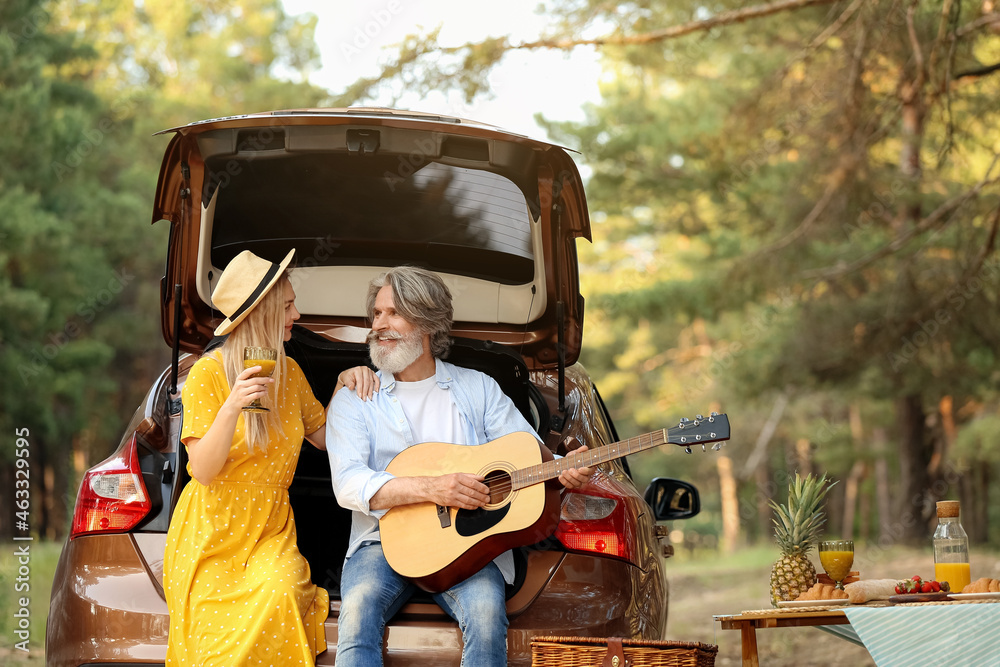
(263, 327)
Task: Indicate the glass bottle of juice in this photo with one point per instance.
(951, 548)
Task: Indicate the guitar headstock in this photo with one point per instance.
(700, 431)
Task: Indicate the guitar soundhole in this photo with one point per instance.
(499, 483)
(474, 522)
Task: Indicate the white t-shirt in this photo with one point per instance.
(432, 415)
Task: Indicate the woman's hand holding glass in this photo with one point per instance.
(252, 384)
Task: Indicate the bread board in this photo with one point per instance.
(918, 597)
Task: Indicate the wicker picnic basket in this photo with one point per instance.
(597, 651)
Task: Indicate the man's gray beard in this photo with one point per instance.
(395, 361)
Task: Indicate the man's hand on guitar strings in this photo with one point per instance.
(574, 478)
(459, 489)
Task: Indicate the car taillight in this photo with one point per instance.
(112, 496)
(596, 524)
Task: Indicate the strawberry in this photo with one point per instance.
(926, 587)
(916, 577)
(935, 587)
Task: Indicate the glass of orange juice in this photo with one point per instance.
(837, 557)
(266, 358)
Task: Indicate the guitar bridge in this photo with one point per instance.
(443, 516)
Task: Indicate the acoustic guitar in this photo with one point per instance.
(438, 547)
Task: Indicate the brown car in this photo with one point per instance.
(355, 191)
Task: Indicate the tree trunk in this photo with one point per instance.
(803, 456)
(864, 516)
(938, 464)
(39, 492)
(858, 472)
(883, 503)
(59, 491)
(762, 478)
(7, 518)
(916, 506)
(982, 507)
(730, 505)
(975, 496)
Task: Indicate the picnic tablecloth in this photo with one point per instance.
(931, 635)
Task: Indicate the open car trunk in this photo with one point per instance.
(323, 526)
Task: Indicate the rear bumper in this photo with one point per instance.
(106, 608)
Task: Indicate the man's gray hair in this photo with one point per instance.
(423, 300)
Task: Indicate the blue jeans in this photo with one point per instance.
(371, 592)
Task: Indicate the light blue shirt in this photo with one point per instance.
(362, 437)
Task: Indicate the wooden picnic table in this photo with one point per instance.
(960, 632)
(748, 622)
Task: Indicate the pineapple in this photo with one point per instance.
(796, 529)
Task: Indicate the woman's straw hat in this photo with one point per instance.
(243, 284)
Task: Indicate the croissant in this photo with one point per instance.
(983, 585)
(823, 592)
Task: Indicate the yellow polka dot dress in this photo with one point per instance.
(237, 588)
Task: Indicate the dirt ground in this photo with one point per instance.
(707, 585)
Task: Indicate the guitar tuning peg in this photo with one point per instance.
(687, 450)
(703, 446)
(717, 446)
(698, 417)
(713, 414)
(685, 420)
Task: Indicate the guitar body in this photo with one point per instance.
(438, 549)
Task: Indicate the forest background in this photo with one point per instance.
(795, 208)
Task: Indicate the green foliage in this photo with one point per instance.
(803, 205)
(979, 441)
(83, 87)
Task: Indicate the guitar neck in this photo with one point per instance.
(543, 472)
(700, 431)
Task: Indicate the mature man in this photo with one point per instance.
(422, 399)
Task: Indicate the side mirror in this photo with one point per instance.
(672, 499)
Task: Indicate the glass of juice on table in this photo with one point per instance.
(266, 358)
(837, 557)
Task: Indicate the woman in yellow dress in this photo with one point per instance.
(237, 588)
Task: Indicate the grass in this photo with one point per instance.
(704, 584)
(41, 563)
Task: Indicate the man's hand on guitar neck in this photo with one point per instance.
(458, 489)
(574, 478)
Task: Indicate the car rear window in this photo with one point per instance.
(344, 210)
